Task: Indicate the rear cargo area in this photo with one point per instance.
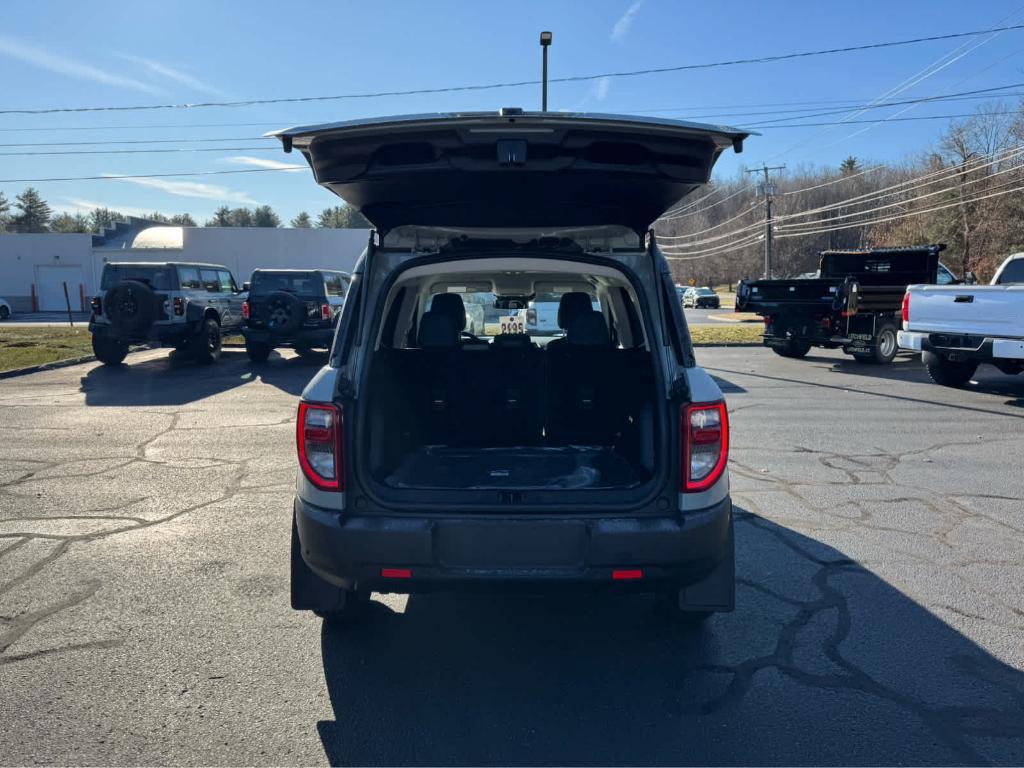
(508, 414)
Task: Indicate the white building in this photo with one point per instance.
(34, 268)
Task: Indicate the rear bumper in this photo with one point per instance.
(959, 348)
(165, 333)
(304, 337)
(450, 552)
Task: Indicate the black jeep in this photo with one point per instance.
(292, 308)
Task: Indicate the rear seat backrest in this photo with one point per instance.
(437, 378)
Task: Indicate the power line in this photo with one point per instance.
(130, 141)
(143, 176)
(53, 153)
(520, 83)
(883, 120)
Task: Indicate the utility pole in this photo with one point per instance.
(767, 189)
(545, 42)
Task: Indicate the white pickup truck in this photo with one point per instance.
(958, 327)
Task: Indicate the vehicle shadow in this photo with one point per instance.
(176, 379)
(822, 663)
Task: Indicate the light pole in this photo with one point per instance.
(545, 41)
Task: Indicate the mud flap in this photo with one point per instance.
(308, 591)
(716, 591)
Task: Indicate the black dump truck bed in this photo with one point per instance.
(852, 305)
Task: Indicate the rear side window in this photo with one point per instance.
(1013, 273)
(227, 283)
(210, 280)
(333, 285)
(188, 278)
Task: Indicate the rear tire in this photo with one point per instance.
(793, 349)
(109, 351)
(304, 351)
(257, 351)
(950, 374)
(883, 348)
(4, 313)
(206, 344)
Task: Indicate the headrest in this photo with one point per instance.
(450, 304)
(571, 306)
(511, 341)
(438, 331)
(588, 330)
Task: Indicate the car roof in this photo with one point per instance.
(280, 270)
(199, 264)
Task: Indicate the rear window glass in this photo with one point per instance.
(160, 278)
(1014, 272)
(299, 283)
(188, 278)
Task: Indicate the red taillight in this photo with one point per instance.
(396, 573)
(627, 574)
(906, 307)
(319, 432)
(179, 306)
(705, 445)
(767, 320)
(97, 306)
(245, 309)
(826, 323)
(325, 311)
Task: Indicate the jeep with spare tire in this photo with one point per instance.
(295, 308)
(188, 306)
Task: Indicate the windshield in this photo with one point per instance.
(159, 277)
(298, 283)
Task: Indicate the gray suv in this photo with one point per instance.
(181, 304)
(433, 459)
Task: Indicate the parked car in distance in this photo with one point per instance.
(701, 298)
(5, 310)
(430, 460)
(186, 305)
(296, 308)
(542, 313)
(853, 305)
(958, 327)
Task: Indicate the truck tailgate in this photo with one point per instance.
(977, 310)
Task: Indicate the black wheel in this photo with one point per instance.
(793, 348)
(109, 351)
(257, 351)
(205, 345)
(4, 313)
(883, 348)
(950, 374)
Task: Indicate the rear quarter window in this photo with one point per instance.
(1013, 273)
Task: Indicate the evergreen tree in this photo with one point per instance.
(101, 218)
(66, 222)
(264, 216)
(241, 217)
(183, 220)
(849, 165)
(33, 212)
(302, 221)
(342, 217)
(5, 209)
(221, 218)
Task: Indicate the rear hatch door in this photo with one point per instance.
(512, 170)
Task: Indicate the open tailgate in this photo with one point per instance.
(514, 169)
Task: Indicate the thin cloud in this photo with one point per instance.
(62, 65)
(193, 189)
(176, 75)
(80, 205)
(621, 28)
(262, 162)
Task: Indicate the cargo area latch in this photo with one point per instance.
(511, 152)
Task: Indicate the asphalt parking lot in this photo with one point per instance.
(144, 530)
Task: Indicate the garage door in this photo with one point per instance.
(50, 279)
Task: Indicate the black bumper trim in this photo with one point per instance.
(311, 337)
(453, 552)
(981, 353)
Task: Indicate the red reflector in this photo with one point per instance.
(396, 573)
(325, 311)
(627, 574)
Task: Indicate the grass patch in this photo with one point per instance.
(726, 334)
(23, 347)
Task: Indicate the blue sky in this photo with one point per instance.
(69, 54)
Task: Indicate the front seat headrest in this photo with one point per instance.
(437, 331)
(588, 330)
(571, 306)
(450, 304)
